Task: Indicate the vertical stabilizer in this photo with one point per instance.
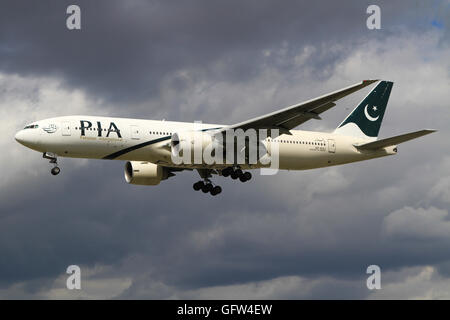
(365, 120)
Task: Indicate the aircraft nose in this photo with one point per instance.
(26, 138)
(20, 137)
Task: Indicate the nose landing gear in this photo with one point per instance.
(53, 160)
(55, 171)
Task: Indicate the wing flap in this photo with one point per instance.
(305, 116)
(383, 143)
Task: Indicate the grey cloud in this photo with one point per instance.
(414, 283)
(417, 224)
(124, 50)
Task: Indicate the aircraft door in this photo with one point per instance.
(65, 129)
(331, 146)
(135, 133)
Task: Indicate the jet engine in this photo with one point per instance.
(145, 173)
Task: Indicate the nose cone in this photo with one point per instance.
(20, 137)
(27, 138)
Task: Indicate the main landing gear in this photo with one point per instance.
(206, 186)
(53, 160)
(237, 174)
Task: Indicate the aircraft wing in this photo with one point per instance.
(290, 117)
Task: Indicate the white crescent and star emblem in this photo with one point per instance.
(368, 116)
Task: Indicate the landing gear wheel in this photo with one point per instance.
(227, 171)
(216, 190)
(247, 176)
(242, 178)
(234, 175)
(53, 160)
(55, 171)
(207, 187)
(198, 185)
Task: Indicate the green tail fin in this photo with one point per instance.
(365, 120)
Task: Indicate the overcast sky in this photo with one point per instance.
(305, 234)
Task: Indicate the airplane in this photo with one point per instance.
(148, 146)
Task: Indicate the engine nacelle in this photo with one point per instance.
(145, 173)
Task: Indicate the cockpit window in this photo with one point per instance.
(32, 126)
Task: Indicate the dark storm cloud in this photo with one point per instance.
(125, 49)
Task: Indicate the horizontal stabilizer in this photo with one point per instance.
(383, 143)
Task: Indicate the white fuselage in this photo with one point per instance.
(149, 140)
